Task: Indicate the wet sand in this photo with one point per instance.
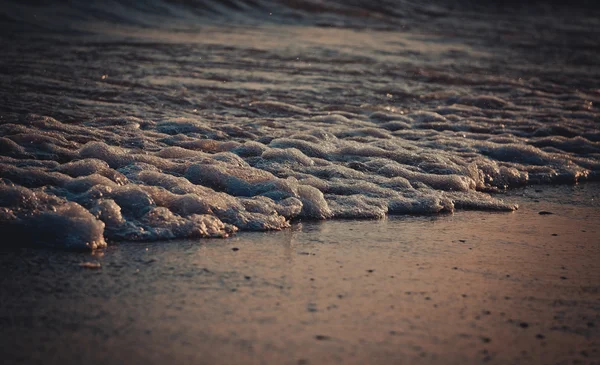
(472, 287)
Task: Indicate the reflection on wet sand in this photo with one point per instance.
(451, 289)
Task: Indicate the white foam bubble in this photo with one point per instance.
(344, 124)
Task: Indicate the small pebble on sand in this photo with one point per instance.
(90, 265)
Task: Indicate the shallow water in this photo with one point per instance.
(184, 120)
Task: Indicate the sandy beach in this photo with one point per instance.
(467, 288)
(299, 182)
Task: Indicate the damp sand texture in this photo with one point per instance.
(468, 288)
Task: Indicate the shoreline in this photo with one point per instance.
(472, 287)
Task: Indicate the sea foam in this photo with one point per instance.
(138, 131)
(95, 191)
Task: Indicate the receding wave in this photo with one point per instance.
(135, 130)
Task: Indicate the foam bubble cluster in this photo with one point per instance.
(67, 185)
(250, 128)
